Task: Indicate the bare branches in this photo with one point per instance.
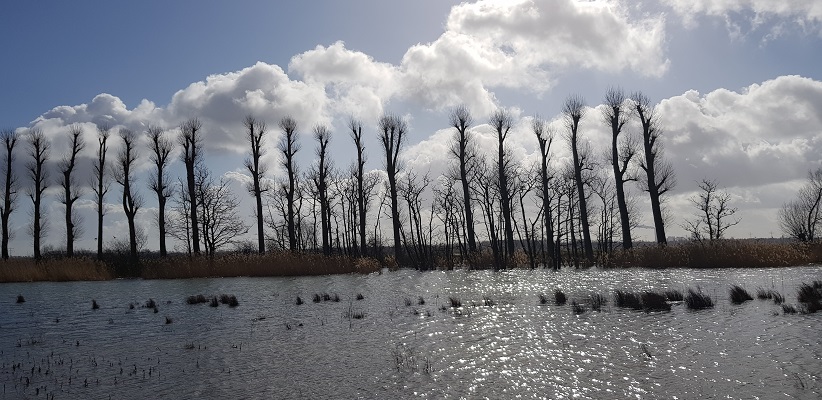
(288, 146)
(39, 152)
(124, 175)
(159, 182)
(9, 139)
(715, 214)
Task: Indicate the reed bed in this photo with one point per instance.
(718, 254)
(738, 295)
(696, 300)
(256, 265)
(54, 269)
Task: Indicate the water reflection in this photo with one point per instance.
(511, 346)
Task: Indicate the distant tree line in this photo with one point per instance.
(487, 209)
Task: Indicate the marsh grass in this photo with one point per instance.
(94, 305)
(229, 299)
(543, 299)
(150, 303)
(360, 296)
(577, 308)
(653, 301)
(730, 253)
(454, 302)
(488, 302)
(630, 300)
(788, 309)
(597, 301)
(299, 301)
(420, 301)
(198, 299)
(214, 302)
(810, 297)
(696, 300)
(738, 295)
(20, 299)
(674, 295)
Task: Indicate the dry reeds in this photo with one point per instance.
(717, 254)
(269, 264)
(54, 269)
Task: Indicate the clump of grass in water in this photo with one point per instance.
(788, 309)
(739, 295)
(628, 300)
(597, 301)
(454, 302)
(168, 320)
(559, 298)
(488, 302)
(543, 299)
(214, 302)
(763, 294)
(810, 296)
(198, 299)
(407, 302)
(698, 300)
(652, 301)
(299, 301)
(151, 304)
(229, 299)
(420, 301)
(20, 299)
(577, 308)
(360, 296)
(326, 297)
(94, 305)
(674, 295)
(777, 297)
(317, 298)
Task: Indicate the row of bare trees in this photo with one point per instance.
(543, 211)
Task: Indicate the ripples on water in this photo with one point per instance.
(269, 347)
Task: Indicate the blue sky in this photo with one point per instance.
(721, 73)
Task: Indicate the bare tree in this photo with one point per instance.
(219, 221)
(159, 183)
(39, 151)
(179, 222)
(68, 184)
(323, 135)
(574, 110)
(255, 134)
(392, 131)
(660, 177)
(463, 151)
(501, 121)
(545, 137)
(359, 173)
(101, 182)
(801, 218)
(190, 141)
(9, 139)
(714, 213)
(124, 175)
(622, 152)
(289, 147)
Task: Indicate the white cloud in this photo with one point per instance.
(802, 15)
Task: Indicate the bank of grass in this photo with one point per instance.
(87, 268)
(718, 254)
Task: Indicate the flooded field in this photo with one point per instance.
(404, 339)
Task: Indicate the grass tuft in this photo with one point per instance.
(20, 299)
(628, 300)
(739, 295)
(559, 298)
(168, 320)
(674, 295)
(214, 302)
(577, 308)
(652, 301)
(229, 299)
(788, 309)
(810, 296)
(420, 301)
(454, 302)
(698, 300)
(360, 296)
(597, 301)
(94, 305)
(543, 299)
(488, 302)
(299, 301)
(317, 298)
(151, 304)
(198, 299)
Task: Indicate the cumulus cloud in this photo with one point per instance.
(802, 15)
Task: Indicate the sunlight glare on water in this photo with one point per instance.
(501, 342)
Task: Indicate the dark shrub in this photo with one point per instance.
(335, 298)
(698, 300)
(739, 295)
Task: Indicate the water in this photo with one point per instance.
(269, 347)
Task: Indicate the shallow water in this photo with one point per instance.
(55, 346)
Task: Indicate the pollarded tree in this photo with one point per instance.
(574, 110)
(255, 134)
(39, 151)
(392, 131)
(714, 213)
(289, 147)
(9, 139)
(501, 121)
(659, 174)
(359, 174)
(801, 218)
(320, 177)
(545, 137)
(462, 149)
(101, 182)
(622, 152)
(68, 183)
(190, 141)
(159, 182)
(124, 175)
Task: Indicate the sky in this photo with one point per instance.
(737, 83)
